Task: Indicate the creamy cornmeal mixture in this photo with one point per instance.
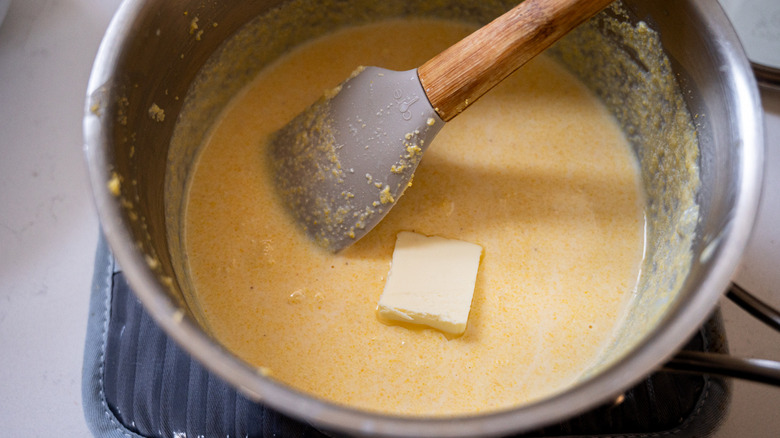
(537, 172)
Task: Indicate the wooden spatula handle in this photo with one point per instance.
(457, 77)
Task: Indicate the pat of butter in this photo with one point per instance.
(431, 282)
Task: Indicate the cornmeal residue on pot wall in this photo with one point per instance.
(537, 172)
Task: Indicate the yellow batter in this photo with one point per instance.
(536, 172)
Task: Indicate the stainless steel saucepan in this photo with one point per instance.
(700, 212)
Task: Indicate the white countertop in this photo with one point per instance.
(48, 229)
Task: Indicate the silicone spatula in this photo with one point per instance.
(342, 164)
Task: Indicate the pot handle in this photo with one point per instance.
(757, 370)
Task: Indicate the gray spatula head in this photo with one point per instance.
(339, 176)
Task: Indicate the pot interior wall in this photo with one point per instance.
(174, 66)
